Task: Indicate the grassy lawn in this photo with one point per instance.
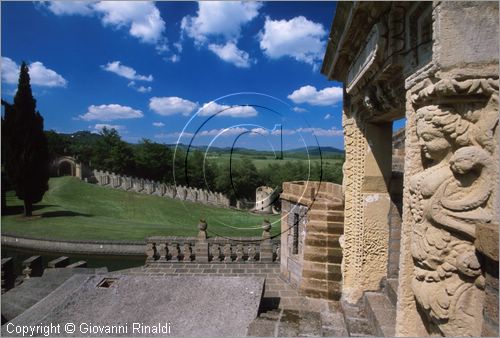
(73, 209)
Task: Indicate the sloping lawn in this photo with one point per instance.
(73, 209)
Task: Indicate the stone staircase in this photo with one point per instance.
(380, 309)
(32, 290)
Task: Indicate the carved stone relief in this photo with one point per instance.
(455, 125)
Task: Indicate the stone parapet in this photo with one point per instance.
(139, 185)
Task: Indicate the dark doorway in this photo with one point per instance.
(65, 169)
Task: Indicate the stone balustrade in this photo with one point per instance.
(215, 249)
(127, 183)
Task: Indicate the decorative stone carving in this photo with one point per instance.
(450, 197)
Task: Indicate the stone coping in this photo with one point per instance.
(93, 247)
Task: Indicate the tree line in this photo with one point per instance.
(236, 178)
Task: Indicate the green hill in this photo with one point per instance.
(73, 209)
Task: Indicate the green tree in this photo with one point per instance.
(25, 145)
(57, 144)
(112, 154)
(153, 161)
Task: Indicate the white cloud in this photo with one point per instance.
(219, 18)
(321, 132)
(324, 97)
(125, 71)
(213, 108)
(70, 7)
(172, 105)
(299, 110)
(328, 116)
(101, 126)
(174, 58)
(39, 74)
(141, 18)
(110, 112)
(10, 71)
(140, 89)
(158, 124)
(298, 38)
(230, 53)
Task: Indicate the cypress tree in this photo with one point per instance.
(25, 145)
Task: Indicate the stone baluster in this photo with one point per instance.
(150, 252)
(266, 246)
(162, 251)
(239, 252)
(251, 253)
(201, 243)
(32, 267)
(216, 253)
(278, 252)
(174, 252)
(187, 251)
(227, 253)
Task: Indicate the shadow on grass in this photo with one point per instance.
(64, 213)
(19, 209)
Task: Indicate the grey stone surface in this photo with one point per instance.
(32, 290)
(188, 306)
(381, 314)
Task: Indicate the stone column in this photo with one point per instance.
(201, 246)
(367, 171)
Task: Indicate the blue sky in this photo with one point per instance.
(150, 69)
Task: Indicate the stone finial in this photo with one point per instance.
(202, 227)
(266, 226)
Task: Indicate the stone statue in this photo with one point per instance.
(447, 200)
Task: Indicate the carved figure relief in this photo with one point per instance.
(455, 124)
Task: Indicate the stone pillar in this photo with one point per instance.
(8, 274)
(266, 246)
(32, 267)
(201, 246)
(60, 262)
(367, 171)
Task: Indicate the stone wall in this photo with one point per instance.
(311, 226)
(144, 186)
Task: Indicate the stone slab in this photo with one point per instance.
(32, 290)
(189, 306)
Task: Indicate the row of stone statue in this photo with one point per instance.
(145, 186)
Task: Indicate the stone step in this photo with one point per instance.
(381, 314)
(32, 290)
(391, 290)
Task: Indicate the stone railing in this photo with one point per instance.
(144, 186)
(215, 250)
